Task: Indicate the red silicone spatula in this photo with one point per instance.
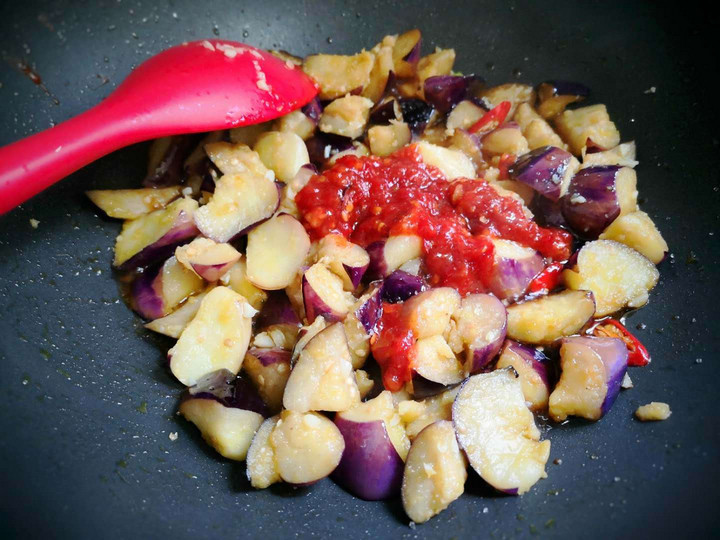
(193, 87)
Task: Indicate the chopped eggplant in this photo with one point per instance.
(592, 372)
(617, 275)
(536, 129)
(364, 382)
(386, 256)
(498, 432)
(375, 448)
(248, 135)
(276, 250)
(532, 367)
(282, 152)
(346, 116)
(381, 70)
(513, 92)
(368, 309)
(323, 294)
(236, 278)
(132, 203)
(173, 325)
(545, 319)
(452, 163)
(547, 170)
(349, 261)
(277, 310)
(435, 472)
(206, 258)
(156, 293)
(228, 430)
(216, 338)
(464, 115)
(417, 415)
(307, 447)
(239, 201)
(262, 470)
(296, 122)
(429, 312)
(269, 369)
(434, 362)
(593, 122)
(322, 379)
(338, 75)
(235, 158)
(556, 95)
(505, 139)
(623, 155)
(416, 113)
(400, 286)
(596, 196)
(481, 323)
(638, 231)
(438, 63)
(384, 140)
(155, 236)
(227, 410)
(167, 156)
(514, 267)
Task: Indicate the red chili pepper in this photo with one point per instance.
(497, 114)
(506, 161)
(637, 353)
(547, 280)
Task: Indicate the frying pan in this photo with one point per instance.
(87, 406)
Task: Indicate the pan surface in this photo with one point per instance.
(87, 406)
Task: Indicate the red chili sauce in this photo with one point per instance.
(367, 199)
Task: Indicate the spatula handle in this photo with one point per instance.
(32, 164)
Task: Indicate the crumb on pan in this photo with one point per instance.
(653, 411)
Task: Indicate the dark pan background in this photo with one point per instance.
(86, 405)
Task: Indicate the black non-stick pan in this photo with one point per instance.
(87, 405)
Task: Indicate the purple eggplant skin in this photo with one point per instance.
(548, 213)
(543, 169)
(315, 306)
(423, 388)
(510, 277)
(416, 113)
(146, 294)
(377, 268)
(370, 467)
(322, 146)
(532, 357)
(269, 357)
(445, 91)
(170, 170)
(400, 285)
(182, 231)
(591, 203)
(277, 309)
(383, 112)
(481, 355)
(371, 310)
(614, 355)
(355, 273)
(413, 57)
(313, 110)
(230, 390)
(565, 88)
